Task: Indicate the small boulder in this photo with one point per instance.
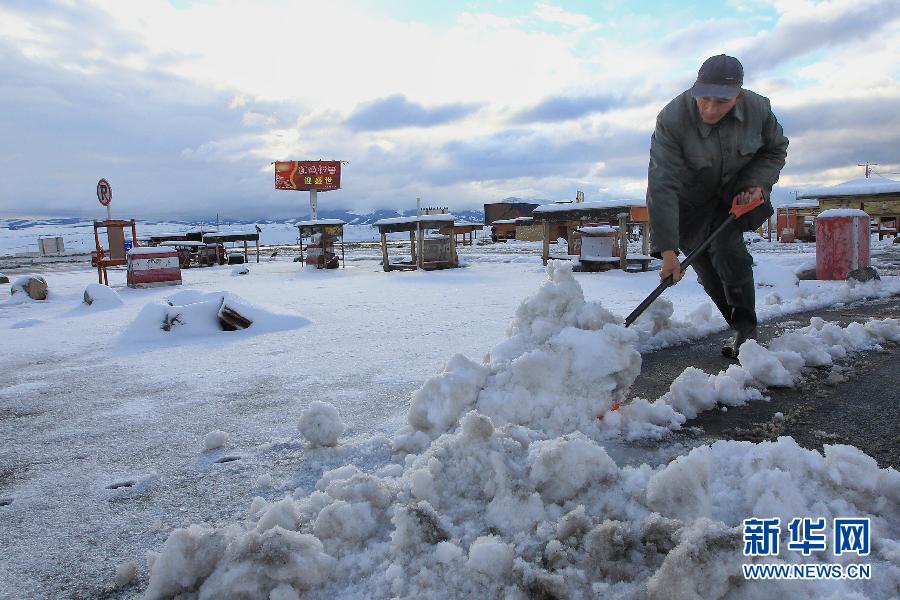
(101, 295)
(808, 274)
(34, 286)
(4, 278)
(863, 274)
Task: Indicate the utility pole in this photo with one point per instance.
(867, 165)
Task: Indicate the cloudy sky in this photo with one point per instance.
(183, 104)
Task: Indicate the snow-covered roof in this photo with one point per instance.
(427, 218)
(504, 222)
(855, 187)
(595, 229)
(148, 250)
(592, 204)
(320, 222)
(181, 243)
(807, 204)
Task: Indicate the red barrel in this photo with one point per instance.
(842, 242)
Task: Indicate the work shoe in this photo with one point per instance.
(734, 344)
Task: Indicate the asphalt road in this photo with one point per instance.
(863, 410)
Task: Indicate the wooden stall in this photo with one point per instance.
(796, 221)
(564, 218)
(194, 253)
(221, 239)
(427, 251)
(115, 252)
(529, 230)
(318, 239)
(503, 229)
(465, 233)
(877, 196)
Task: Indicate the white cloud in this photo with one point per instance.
(159, 90)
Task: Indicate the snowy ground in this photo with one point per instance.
(472, 475)
(79, 238)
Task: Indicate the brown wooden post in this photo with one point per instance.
(623, 241)
(546, 251)
(420, 263)
(454, 260)
(645, 238)
(384, 255)
(412, 246)
(769, 227)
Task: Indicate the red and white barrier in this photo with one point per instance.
(153, 266)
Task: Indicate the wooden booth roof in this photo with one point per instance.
(412, 223)
(250, 236)
(595, 209)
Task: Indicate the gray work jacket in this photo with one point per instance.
(696, 169)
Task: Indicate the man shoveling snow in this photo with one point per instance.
(714, 145)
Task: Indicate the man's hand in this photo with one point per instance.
(670, 266)
(747, 196)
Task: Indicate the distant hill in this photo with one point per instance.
(352, 218)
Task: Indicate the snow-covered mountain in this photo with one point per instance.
(350, 217)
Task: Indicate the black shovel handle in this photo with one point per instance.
(667, 282)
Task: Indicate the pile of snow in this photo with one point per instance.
(193, 314)
(214, 439)
(320, 424)
(779, 365)
(502, 487)
(27, 288)
(565, 362)
(101, 296)
(486, 513)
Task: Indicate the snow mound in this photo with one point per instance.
(565, 362)
(320, 424)
(101, 296)
(779, 365)
(510, 494)
(487, 512)
(214, 439)
(191, 314)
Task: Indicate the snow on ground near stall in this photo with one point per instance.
(501, 489)
(79, 237)
(106, 452)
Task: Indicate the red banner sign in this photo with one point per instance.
(303, 175)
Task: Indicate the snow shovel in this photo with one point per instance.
(736, 211)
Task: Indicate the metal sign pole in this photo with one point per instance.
(313, 205)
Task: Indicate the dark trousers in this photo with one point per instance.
(725, 270)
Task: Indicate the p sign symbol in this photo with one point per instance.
(104, 192)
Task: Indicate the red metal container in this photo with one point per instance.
(842, 242)
(150, 267)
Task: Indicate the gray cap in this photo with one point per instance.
(719, 76)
